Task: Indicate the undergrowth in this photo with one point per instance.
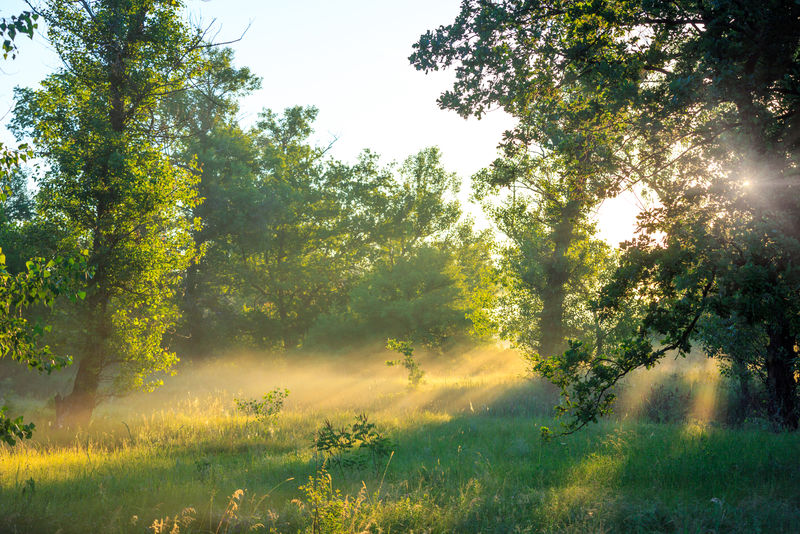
(459, 465)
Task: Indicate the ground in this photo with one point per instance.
(467, 456)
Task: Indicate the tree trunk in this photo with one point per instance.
(552, 322)
(554, 291)
(75, 410)
(194, 336)
(781, 383)
(77, 407)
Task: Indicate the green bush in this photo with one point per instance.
(266, 409)
(356, 445)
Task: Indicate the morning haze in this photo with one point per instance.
(347, 267)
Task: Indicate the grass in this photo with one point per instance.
(467, 458)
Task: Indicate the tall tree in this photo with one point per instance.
(111, 183)
(552, 173)
(553, 266)
(224, 158)
(294, 246)
(38, 282)
(705, 102)
(424, 272)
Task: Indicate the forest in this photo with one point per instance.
(213, 325)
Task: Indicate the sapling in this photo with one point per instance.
(266, 410)
(415, 372)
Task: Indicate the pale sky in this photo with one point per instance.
(349, 58)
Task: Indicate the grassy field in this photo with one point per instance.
(467, 457)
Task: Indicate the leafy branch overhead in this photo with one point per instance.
(11, 28)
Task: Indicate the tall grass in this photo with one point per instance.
(467, 458)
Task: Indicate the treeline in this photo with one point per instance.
(202, 237)
(299, 249)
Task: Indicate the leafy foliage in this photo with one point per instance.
(266, 409)
(353, 445)
(552, 266)
(13, 429)
(415, 372)
(296, 250)
(10, 29)
(223, 156)
(693, 100)
(40, 284)
(111, 186)
(330, 511)
(427, 277)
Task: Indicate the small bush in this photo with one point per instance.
(352, 446)
(744, 402)
(330, 512)
(264, 410)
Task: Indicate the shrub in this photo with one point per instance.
(264, 410)
(744, 401)
(667, 403)
(352, 446)
(330, 511)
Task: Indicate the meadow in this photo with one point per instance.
(465, 455)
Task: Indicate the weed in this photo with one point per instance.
(231, 510)
(29, 487)
(171, 525)
(330, 512)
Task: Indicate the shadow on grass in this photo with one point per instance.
(481, 474)
(479, 467)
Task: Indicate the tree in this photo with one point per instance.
(414, 207)
(426, 276)
(553, 266)
(418, 297)
(704, 101)
(557, 165)
(39, 282)
(223, 157)
(111, 183)
(294, 251)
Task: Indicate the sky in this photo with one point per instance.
(349, 58)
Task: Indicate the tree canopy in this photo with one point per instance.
(699, 102)
(111, 184)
